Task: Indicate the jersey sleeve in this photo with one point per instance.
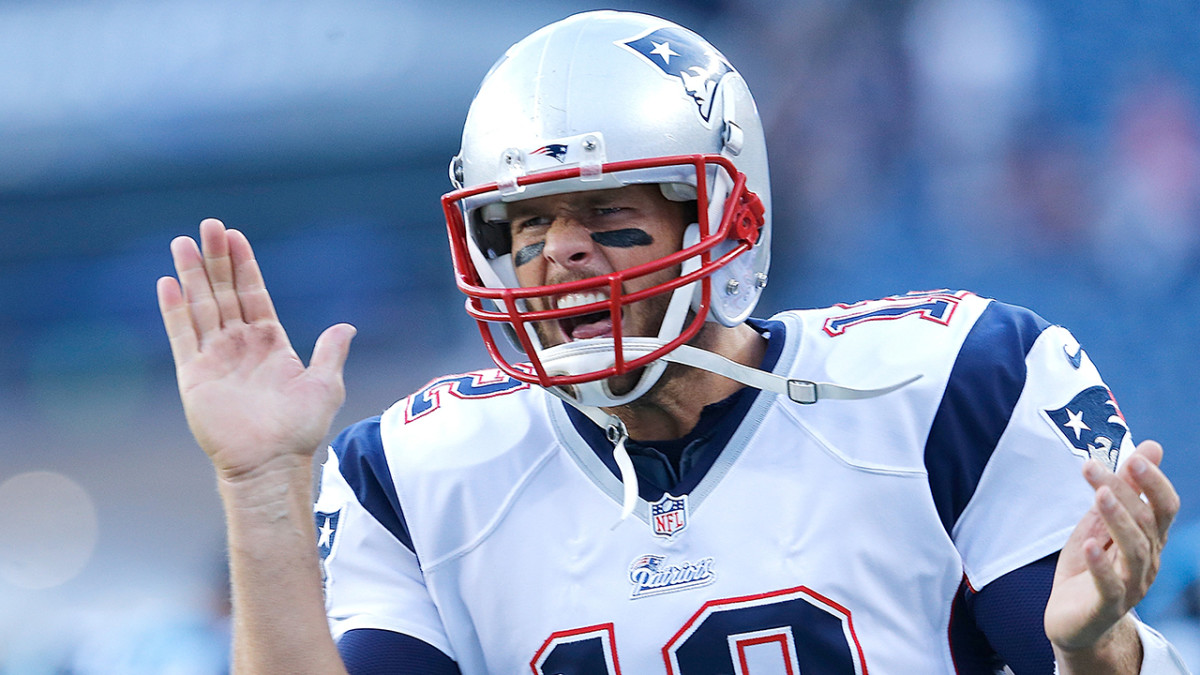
(372, 576)
(368, 651)
(1023, 409)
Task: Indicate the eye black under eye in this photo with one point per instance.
(628, 237)
(527, 254)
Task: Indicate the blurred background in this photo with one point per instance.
(1043, 152)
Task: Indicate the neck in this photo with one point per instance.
(672, 408)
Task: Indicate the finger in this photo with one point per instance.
(1161, 496)
(193, 281)
(1149, 451)
(215, 245)
(181, 333)
(330, 352)
(1138, 551)
(1105, 576)
(1127, 494)
(251, 289)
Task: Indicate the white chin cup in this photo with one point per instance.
(596, 354)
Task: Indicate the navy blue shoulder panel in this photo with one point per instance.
(359, 449)
(984, 385)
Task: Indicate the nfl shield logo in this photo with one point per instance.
(668, 515)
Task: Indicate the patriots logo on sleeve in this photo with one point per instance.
(1092, 424)
(326, 534)
(681, 54)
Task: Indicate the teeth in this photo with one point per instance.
(577, 299)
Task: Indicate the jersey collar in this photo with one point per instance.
(699, 449)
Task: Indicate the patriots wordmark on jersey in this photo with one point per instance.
(480, 515)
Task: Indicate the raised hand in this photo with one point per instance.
(247, 396)
(1112, 557)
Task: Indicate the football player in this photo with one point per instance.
(651, 480)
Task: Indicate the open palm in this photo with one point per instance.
(248, 397)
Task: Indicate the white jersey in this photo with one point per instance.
(480, 515)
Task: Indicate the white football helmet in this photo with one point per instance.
(596, 101)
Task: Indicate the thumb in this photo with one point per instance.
(332, 347)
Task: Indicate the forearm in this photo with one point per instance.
(1118, 652)
(279, 623)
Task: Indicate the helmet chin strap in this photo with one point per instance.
(614, 429)
(805, 392)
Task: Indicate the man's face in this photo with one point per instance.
(579, 235)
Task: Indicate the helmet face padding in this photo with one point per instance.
(602, 100)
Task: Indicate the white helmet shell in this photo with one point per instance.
(596, 90)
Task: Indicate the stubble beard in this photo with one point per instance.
(654, 306)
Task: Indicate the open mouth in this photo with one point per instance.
(593, 325)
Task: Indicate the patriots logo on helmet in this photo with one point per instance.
(1092, 424)
(556, 150)
(681, 54)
